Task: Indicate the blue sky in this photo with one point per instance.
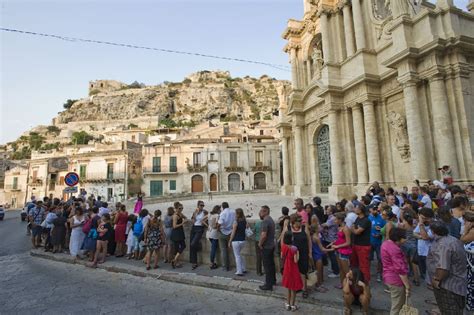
(39, 74)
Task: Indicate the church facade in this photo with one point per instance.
(381, 91)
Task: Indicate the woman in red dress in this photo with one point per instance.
(291, 274)
(121, 219)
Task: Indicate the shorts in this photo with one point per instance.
(342, 256)
(375, 248)
(136, 244)
(409, 251)
(37, 230)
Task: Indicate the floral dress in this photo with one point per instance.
(470, 275)
(154, 236)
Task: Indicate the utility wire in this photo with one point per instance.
(76, 39)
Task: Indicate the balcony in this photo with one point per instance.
(234, 169)
(261, 168)
(35, 182)
(197, 168)
(13, 188)
(103, 178)
(161, 170)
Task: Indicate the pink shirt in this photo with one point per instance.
(304, 216)
(394, 263)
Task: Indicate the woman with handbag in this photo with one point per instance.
(302, 240)
(237, 240)
(213, 234)
(199, 218)
(177, 235)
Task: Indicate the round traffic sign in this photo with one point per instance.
(71, 179)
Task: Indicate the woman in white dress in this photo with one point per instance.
(77, 236)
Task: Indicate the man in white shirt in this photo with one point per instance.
(104, 209)
(224, 224)
(425, 199)
(395, 208)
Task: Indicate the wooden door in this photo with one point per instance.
(213, 182)
(197, 184)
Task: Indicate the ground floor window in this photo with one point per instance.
(156, 188)
(172, 185)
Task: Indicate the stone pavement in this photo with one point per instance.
(331, 301)
(250, 203)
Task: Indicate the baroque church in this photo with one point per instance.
(382, 90)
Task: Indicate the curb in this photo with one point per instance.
(213, 282)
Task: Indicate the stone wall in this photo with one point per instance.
(248, 253)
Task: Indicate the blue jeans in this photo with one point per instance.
(332, 258)
(214, 246)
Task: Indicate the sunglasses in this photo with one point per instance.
(201, 205)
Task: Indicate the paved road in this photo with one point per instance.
(13, 238)
(31, 285)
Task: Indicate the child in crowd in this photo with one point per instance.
(342, 246)
(291, 275)
(317, 252)
(130, 239)
(104, 231)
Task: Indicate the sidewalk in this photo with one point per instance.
(330, 302)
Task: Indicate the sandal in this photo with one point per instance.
(347, 311)
(294, 308)
(156, 267)
(416, 282)
(287, 307)
(305, 296)
(148, 268)
(322, 289)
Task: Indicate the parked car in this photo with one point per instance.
(23, 214)
(2, 213)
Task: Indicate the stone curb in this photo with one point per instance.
(214, 282)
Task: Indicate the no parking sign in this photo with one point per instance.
(71, 179)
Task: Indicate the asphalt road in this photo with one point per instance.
(30, 285)
(13, 239)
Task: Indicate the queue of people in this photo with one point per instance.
(425, 237)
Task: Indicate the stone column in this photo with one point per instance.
(294, 67)
(418, 156)
(443, 126)
(299, 160)
(309, 67)
(323, 19)
(336, 157)
(349, 30)
(286, 164)
(341, 38)
(373, 155)
(358, 24)
(360, 149)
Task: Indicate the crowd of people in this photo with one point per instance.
(420, 237)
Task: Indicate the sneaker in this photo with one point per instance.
(333, 275)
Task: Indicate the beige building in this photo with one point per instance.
(14, 190)
(228, 163)
(112, 171)
(379, 94)
(46, 174)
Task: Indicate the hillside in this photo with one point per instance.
(200, 96)
(113, 105)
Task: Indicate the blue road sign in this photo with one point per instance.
(71, 179)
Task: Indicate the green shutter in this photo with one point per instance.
(172, 185)
(156, 188)
(157, 164)
(82, 171)
(173, 164)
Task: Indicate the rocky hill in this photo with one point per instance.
(200, 96)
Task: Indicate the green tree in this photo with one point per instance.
(35, 140)
(168, 123)
(54, 129)
(81, 137)
(69, 103)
